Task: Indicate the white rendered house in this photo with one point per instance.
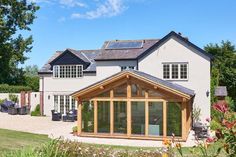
(172, 59)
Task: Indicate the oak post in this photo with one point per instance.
(95, 117)
(184, 136)
(111, 112)
(128, 109)
(79, 117)
(164, 119)
(146, 114)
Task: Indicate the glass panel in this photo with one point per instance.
(120, 117)
(137, 91)
(154, 93)
(67, 104)
(73, 71)
(138, 117)
(62, 71)
(80, 70)
(183, 71)
(175, 71)
(120, 91)
(67, 71)
(62, 104)
(166, 71)
(72, 103)
(103, 116)
(155, 126)
(174, 122)
(56, 103)
(88, 117)
(104, 94)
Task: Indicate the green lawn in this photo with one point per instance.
(14, 140)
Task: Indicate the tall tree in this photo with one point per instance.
(31, 77)
(15, 17)
(224, 66)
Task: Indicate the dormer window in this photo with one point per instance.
(68, 71)
(175, 71)
(127, 67)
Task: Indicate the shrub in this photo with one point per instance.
(36, 112)
(13, 98)
(214, 125)
(5, 88)
(231, 103)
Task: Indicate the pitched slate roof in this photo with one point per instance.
(137, 53)
(129, 53)
(156, 80)
(221, 91)
(86, 55)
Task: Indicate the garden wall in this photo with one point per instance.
(25, 98)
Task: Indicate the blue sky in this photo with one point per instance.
(86, 24)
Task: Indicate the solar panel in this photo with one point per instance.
(124, 44)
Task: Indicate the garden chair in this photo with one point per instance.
(200, 130)
(56, 116)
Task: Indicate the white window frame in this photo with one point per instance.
(66, 75)
(64, 103)
(127, 67)
(179, 71)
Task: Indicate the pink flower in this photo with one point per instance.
(210, 140)
(228, 124)
(221, 106)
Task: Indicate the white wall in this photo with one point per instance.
(199, 70)
(108, 68)
(34, 98)
(66, 86)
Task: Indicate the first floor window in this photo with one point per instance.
(175, 71)
(68, 71)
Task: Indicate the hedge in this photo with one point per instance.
(5, 88)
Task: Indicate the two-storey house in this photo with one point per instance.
(145, 89)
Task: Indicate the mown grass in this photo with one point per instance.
(22, 144)
(14, 140)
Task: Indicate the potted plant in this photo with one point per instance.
(75, 130)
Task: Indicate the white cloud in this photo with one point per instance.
(72, 3)
(107, 9)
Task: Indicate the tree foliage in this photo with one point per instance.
(31, 77)
(223, 66)
(15, 17)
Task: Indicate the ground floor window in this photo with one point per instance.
(88, 116)
(138, 117)
(64, 103)
(120, 117)
(155, 125)
(153, 122)
(103, 116)
(174, 119)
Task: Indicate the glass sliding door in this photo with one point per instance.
(155, 125)
(87, 117)
(120, 117)
(138, 117)
(62, 105)
(174, 119)
(103, 116)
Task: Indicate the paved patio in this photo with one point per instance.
(44, 125)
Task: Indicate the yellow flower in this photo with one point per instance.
(166, 142)
(178, 145)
